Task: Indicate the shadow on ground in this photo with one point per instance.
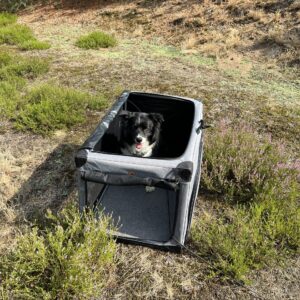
(51, 185)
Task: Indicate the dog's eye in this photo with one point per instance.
(144, 126)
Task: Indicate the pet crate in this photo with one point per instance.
(118, 185)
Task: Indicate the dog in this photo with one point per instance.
(140, 133)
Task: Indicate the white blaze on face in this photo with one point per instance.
(143, 148)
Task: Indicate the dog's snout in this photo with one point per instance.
(138, 139)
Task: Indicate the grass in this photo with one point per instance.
(34, 45)
(14, 71)
(6, 19)
(12, 33)
(48, 108)
(265, 227)
(29, 68)
(96, 40)
(70, 258)
(44, 108)
(15, 34)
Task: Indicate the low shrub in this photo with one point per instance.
(15, 34)
(15, 5)
(14, 70)
(29, 68)
(265, 226)
(34, 45)
(9, 99)
(250, 238)
(69, 259)
(6, 19)
(5, 58)
(47, 108)
(96, 40)
(238, 163)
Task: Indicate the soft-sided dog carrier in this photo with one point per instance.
(118, 184)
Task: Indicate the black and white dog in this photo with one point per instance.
(140, 133)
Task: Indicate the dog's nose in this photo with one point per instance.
(138, 139)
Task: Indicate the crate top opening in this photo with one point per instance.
(178, 115)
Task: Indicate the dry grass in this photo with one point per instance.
(39, 172)
(245, 24)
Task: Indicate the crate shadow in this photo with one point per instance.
(51, 185)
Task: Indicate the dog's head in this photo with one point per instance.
(140, 131)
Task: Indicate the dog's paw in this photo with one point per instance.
(149, 189)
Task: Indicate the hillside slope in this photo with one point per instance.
(263, 29)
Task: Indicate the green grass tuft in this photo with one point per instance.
(5, 58)
(96, 40)
(15, 34)
(14, 70)
(6, 19)
(29, 68)
(34, 45)
(9, 99)
(69, 259)
(48, 108)
(265, 227)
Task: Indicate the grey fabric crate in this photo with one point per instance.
(115, 183)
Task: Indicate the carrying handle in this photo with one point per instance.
(202, 126)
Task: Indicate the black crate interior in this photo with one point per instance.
(176, 129)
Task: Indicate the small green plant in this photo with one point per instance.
(5, 58)
(28, 68)
(34, 45)
(47, 108)
(9, 99)
(6, 19)
(250, 238)
(96, 40)
(238, 164)
(14, 70)
(265, 226)
(15, 34)
(69, 259)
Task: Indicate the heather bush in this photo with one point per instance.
(96, 40)
(34, 45)
(47, 108)
(14, 70)
(15, 5)
(264, 227)
(68, 259)
(12, 33)
(239, 164)
(6, 19)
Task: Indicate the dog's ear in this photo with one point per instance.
(156, 117)
(125, 115)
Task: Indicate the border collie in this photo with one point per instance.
(140, 133)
